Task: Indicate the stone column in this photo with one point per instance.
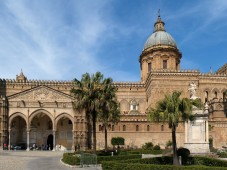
(54, 140)
(9, 145)
(28, 132)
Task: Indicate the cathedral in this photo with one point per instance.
(37, 112)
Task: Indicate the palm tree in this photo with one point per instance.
(172, 109)
(109, 108)
(86, 93)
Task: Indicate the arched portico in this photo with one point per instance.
(65, 130)
(17, 130)
(41, 125)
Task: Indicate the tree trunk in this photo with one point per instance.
(175, 156)
(94, 132)
(89, 130)
(105, 137)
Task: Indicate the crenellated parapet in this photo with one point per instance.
(35, 82)
(129, 84)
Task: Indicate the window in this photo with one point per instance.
(137, 127)
(164, 64)
(133, 105)
(112, 127)
(149, 67)
(124, 128)
(69, 122)
(148, 128)
(206, 96)
(215, 94)
(224, 96)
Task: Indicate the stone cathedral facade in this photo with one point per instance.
(41, 112)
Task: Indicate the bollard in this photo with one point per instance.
(111, 153)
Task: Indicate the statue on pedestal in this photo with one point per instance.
(192, 89)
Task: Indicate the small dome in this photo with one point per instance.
(160, 38)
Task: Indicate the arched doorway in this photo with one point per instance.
(50, 142)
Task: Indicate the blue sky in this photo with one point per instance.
(62, 39)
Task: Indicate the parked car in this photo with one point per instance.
(17, 147)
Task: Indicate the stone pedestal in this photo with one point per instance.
(196, 133)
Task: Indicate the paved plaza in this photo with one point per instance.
(34, 160)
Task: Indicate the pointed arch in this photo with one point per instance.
(33, 114)
(62, 115)
(14, 115)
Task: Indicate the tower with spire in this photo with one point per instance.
(21, 77)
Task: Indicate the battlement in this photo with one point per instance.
(129, 84)
(36, 82)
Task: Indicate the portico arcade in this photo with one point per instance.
(44, 117)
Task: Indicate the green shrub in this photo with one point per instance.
(117, 141)
(148, 145)
(222, 154)
(169, 143)
(206, 161)
(112, 165)
(71, 159)
(164, 160)
(141, 151)
(100, 159)
(157, 147)
(106, 153)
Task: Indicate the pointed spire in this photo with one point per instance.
(159, 24)
(21, 77)
(21, 73)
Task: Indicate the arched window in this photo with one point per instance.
(206, 96)
(215, 94)
(112, 127)
(148, 128)
(164, 64)
(133, 105)
(124, 128)
(137, 127)
(224, 95)
(162, 127)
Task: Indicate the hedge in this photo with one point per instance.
(166, 160)
(142, 151)
(206, 161)
(71, 159)
(100, 159)
(112, 165)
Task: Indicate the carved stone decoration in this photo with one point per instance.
(41, 94)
